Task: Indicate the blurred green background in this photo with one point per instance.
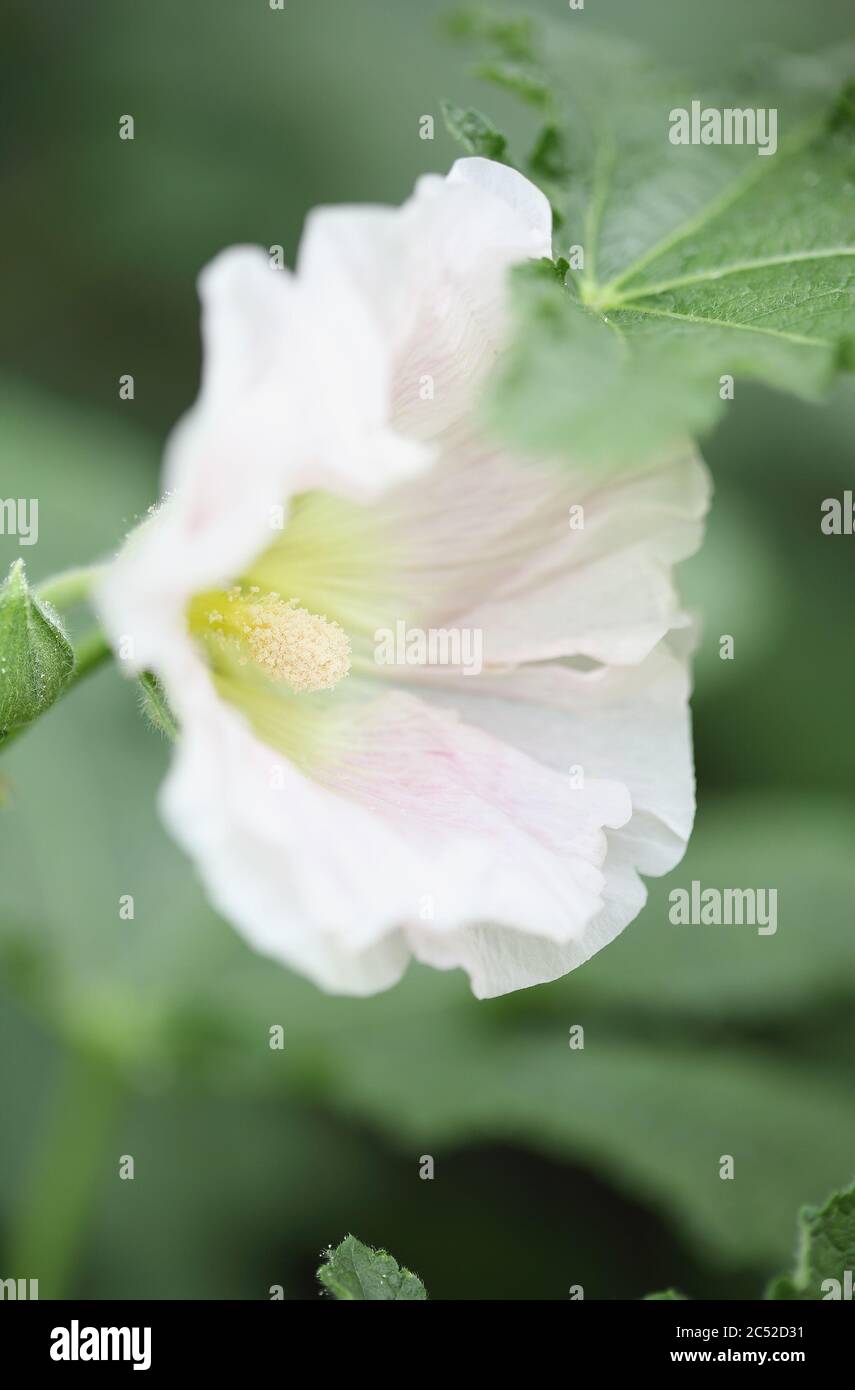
(150, 1038)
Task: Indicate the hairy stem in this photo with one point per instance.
(71, 587)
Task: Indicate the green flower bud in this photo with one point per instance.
(36, 657)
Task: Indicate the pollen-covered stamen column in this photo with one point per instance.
(305, 650)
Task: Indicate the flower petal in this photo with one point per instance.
(422, 813)
(489, 546)
(431, 276)
(632, 722)
(499, 960)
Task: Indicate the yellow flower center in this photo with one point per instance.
(281, 661)
(306, 651)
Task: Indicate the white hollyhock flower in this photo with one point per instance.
(332, 484)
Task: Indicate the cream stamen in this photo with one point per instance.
(305, 650)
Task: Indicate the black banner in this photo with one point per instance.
(163, 1338)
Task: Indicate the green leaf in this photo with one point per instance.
(513, 35)
(518, 80)
(36, 657)
(476, 134)
(548, 161)
(699, 261)
(652, 1116)
(826, 1252)
(666, 1296)
(354, 1271)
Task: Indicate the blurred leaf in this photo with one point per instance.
(477, 135)
(802, 848)
(521, 81)
(513, 34)
(653, 1118)
(738, 557)
(354, 1271)
(667, 1296)
(700, 261)
(548, 160)
(826, 1254)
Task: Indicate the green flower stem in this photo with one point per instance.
(55, 1207)
(90, 653)
(71, 587)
